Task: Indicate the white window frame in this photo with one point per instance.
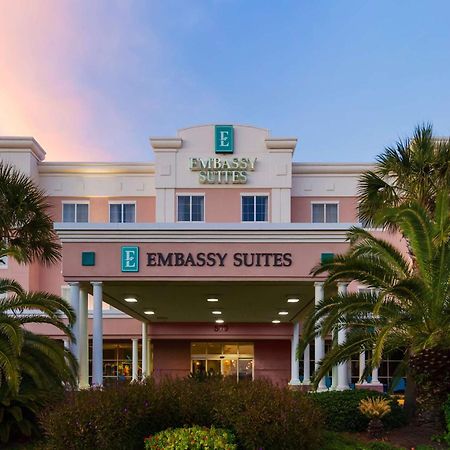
(122, 202)
(328, 202)
(191, 194)
(256, 194)
(76, 202)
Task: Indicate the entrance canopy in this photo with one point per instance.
(167, 272)
(192, 301)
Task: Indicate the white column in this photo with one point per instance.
(319, 342)
(144, 351)
(135, 359)
(342, 369)
(306, 366)
(295, 380)
(362, 366)
(334, 369)
(375, 381)
(83, 349)
(75, 303)
(97, 335)
(149, 355)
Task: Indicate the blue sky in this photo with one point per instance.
(93, 80)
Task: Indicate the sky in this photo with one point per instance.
(92, 80)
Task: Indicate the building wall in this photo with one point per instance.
(171, 358)
(273, 361)
(301, 208)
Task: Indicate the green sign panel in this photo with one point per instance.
(224, 139)
(130, 259)
(88, 258)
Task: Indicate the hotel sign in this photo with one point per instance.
(130, 259)
(222, 170)
(216, 259)
(224, 138)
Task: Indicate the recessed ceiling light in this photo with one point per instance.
(130, 299)
(212, 299)
(293, 300)
(149, 312)
(219, 321)
(275, 321)
(283, 313)
(217, 312)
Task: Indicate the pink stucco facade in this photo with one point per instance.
(254, 259)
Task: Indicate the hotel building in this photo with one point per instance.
(199, 261)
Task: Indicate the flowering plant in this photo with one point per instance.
(194, 438)
(374, 408)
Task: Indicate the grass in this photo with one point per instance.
(340, 441)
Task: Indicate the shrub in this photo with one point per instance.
(195, 438)
(263, 416)
(341, 410)
(258, 414)
(446, 436)
(375, 407)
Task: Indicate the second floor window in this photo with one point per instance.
(122, 212)
(191, 208)
(255, 208)
(75, 212)
(324, 213)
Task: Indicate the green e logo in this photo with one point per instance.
(224, 139)
(130, 259)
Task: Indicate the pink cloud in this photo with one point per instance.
(44, 47)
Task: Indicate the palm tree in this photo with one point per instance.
(415, 169)
(409, 308)
(24, 352)
(32, 367)
(26, 229)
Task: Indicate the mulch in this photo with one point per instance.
(410, 437)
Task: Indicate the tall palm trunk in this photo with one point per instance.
(431, 371)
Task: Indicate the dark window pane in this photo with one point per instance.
(69, 212)
(129, 211)
(197, 208)
(82, 212)
(261, 209)
(248, 209)
(115, 213)
(184, 207)
(318, 213)
(331, 213)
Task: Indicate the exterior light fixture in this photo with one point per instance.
(293, 300)
(150, 313)
(219, 321)
(217, 313)
(283, 313)
(212, 299)
(130, 299)
(275, 321)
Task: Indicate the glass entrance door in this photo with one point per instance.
(230, 359)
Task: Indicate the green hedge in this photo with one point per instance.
(259, 415)
(194, 438)
(340, 409)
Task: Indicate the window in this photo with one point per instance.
(122, 213)
(324, 212)
(232, 359)
(76, 212)
(191, 208)
(255, 208)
